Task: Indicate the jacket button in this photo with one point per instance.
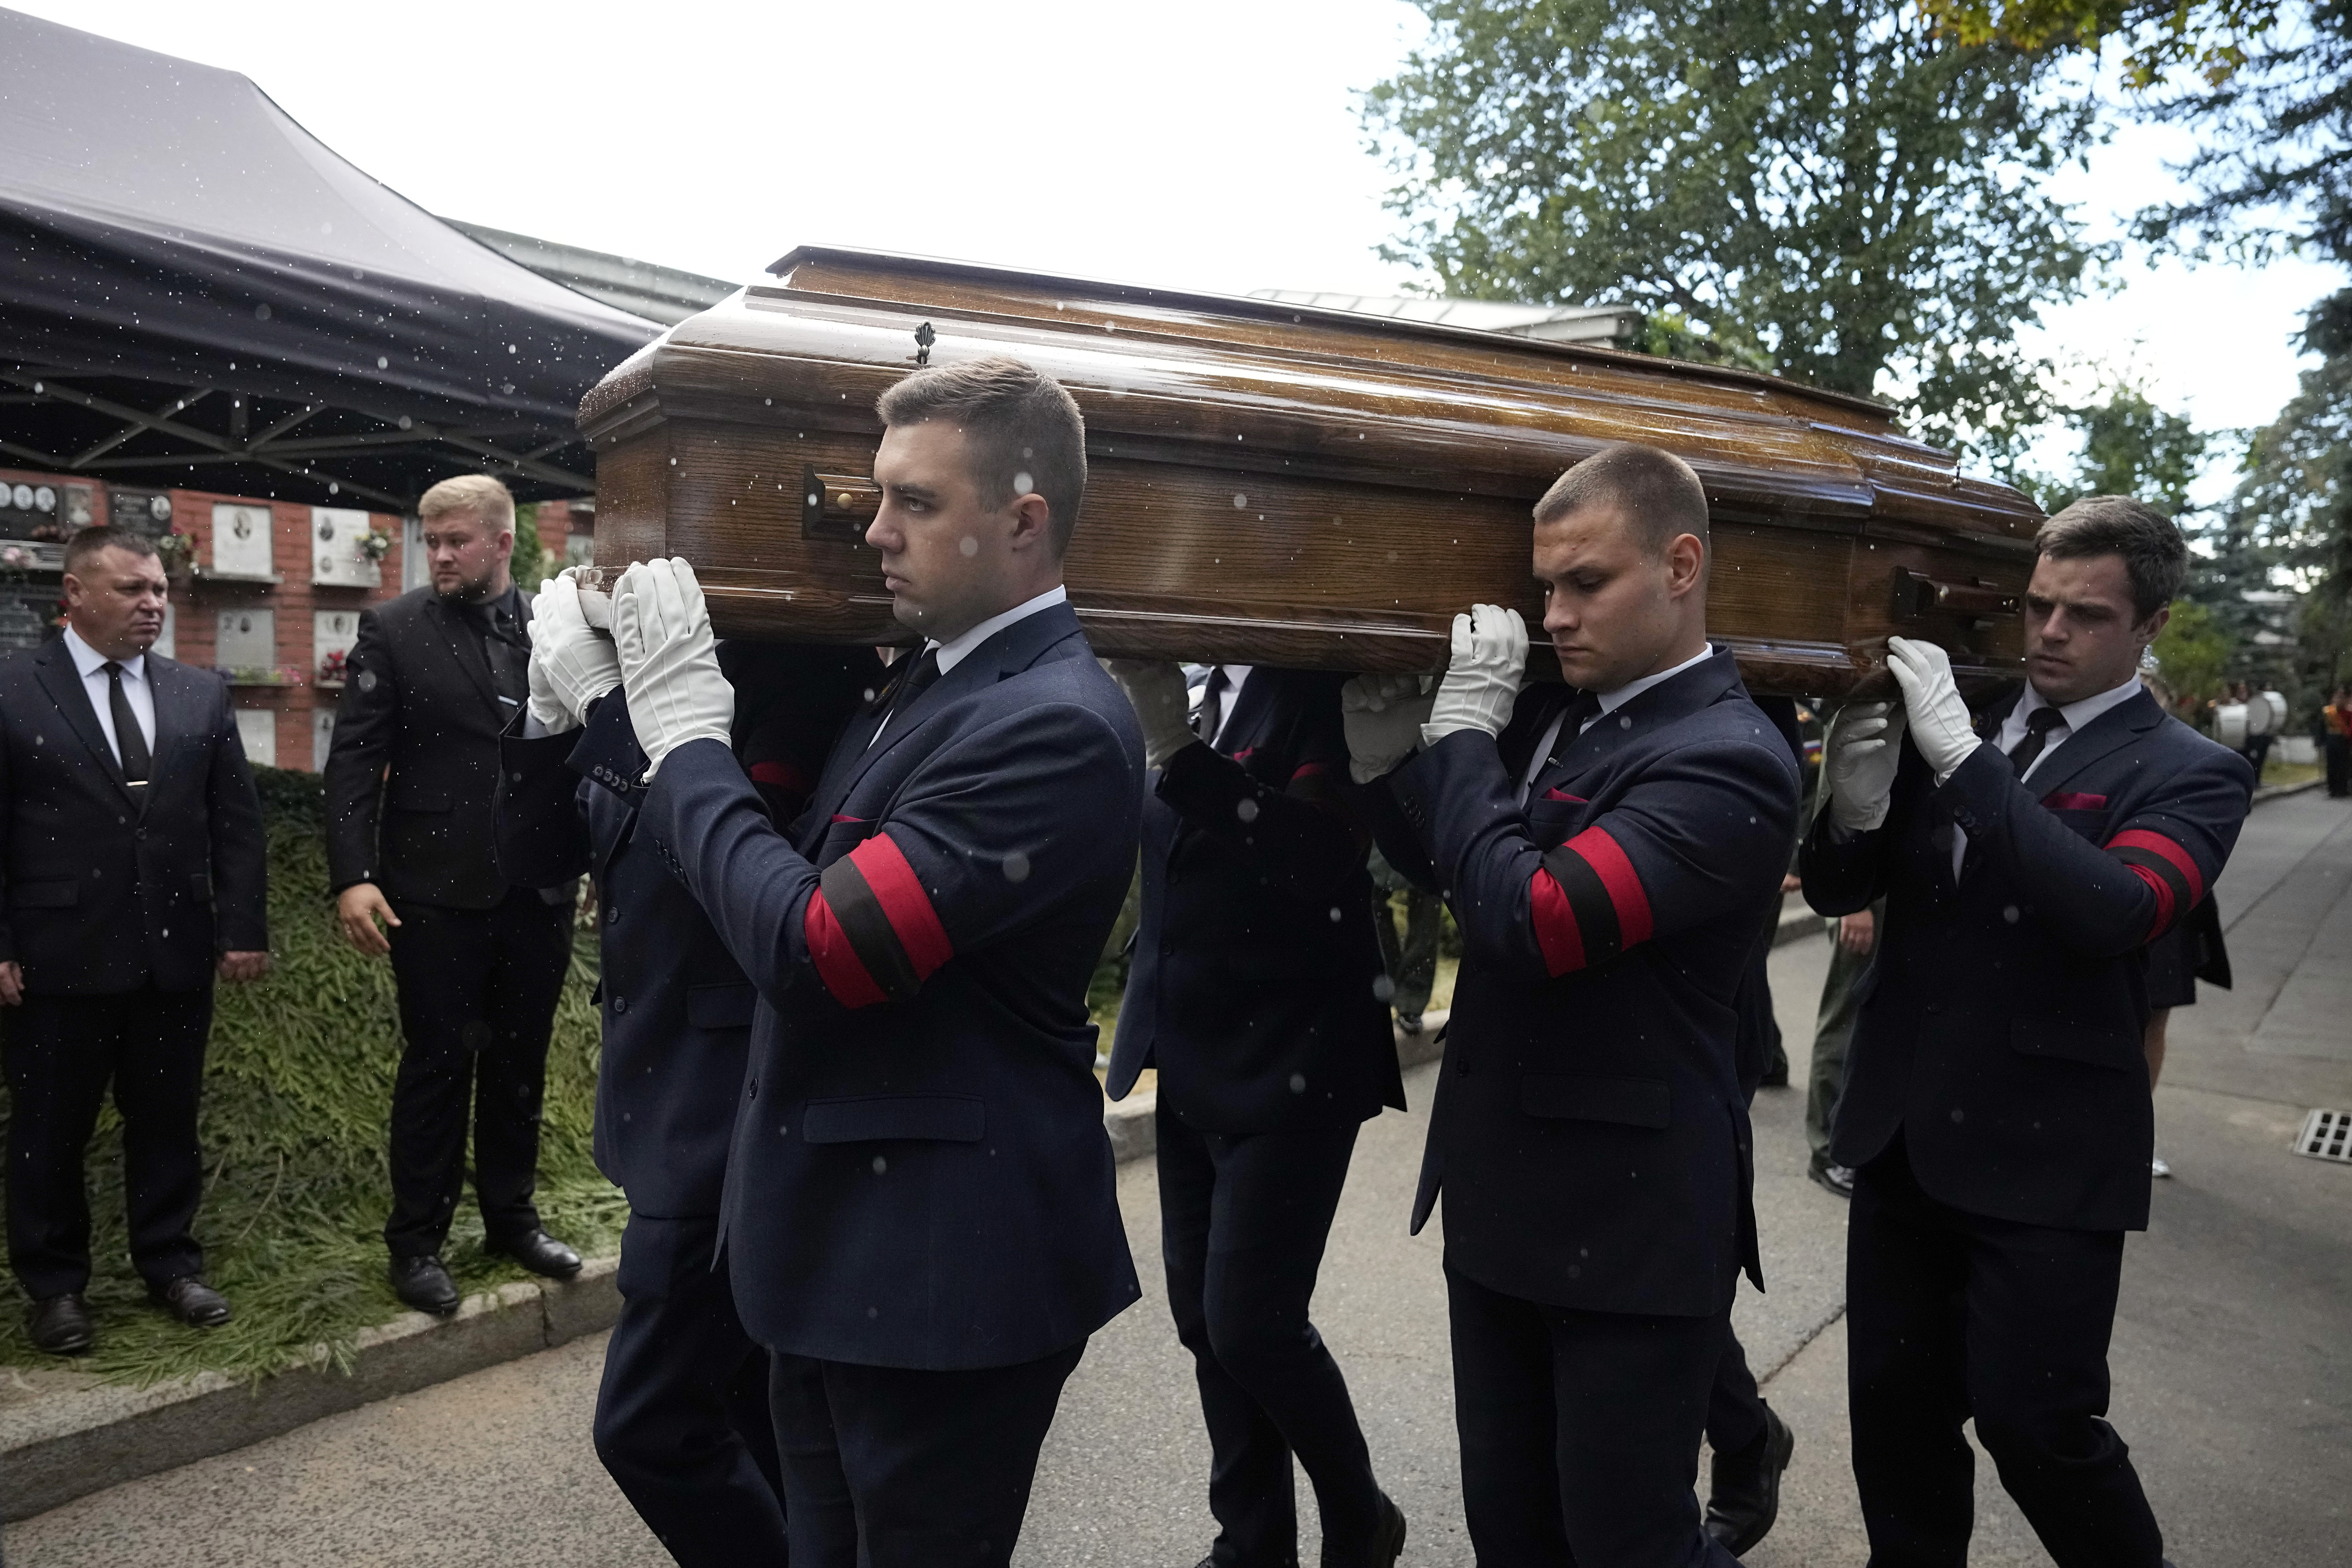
(620, 1004)
(753, 1093)
(1168, 949)
(1935, 1007)
(611, 914)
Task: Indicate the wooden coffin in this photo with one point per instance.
(1278, 484)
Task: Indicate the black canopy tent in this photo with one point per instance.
(195, 292)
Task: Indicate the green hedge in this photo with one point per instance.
(298, 1085)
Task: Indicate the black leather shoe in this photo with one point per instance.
(1834, 1179)
(425, 1284)
(540, 1253)
(1744, 1490)
(1386, 1546)
(191, 1301)
(59, 1324)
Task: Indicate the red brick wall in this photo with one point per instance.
(294, 599)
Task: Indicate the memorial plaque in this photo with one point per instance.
(1275, 483)
(241, 545)
(25, 611)
(333, 633)
(258, 730)
(147, 511)
(338, 556)
(246, 641)
(30, 509)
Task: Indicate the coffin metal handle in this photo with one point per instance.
(1917, 594)
(838, 505)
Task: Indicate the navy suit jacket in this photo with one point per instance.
(1253, 986)
(1590, 1132)
(100, 893)
(2000, 1029)
(920, 1177)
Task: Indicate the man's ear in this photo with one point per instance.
(2154, 625)
(1685, 561)
(1032, 522)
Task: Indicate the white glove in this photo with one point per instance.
(571, 666)
(1383, 715)
(1163, 704)
(1866, 746)
(1481, 680)
(1939, 719)
(669, 661)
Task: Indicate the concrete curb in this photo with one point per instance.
(68, 1442)
(64, 1434)
(2266, 793)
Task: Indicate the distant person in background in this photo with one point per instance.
(134, 872)
(1410, 959)
(2335, 737)
(432, 679)
(682, 1420)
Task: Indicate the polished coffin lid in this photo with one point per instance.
(1275, 483)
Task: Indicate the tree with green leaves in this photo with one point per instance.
(1839, 193)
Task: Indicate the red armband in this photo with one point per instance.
(1588, 903)
(2169, 871)
(872, 932)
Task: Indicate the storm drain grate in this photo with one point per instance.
(2327, 1135)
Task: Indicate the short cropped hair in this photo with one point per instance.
(2156, 556)
(1657, 490)
(1017, 422)
(479, 493)
(84, 546)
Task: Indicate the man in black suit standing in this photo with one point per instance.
(1996, 1109)
(134, 871)
(411, 780)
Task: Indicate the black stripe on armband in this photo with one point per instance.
(1589, 901)
(868, 927)
(2147, 862)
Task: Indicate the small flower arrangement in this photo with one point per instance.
(177, 549)
(331, 667)
(375, 544)
(15, 563)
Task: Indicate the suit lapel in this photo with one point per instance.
(1687, 693)
(63, 683)
(1245, 731)
(1010, 652)
(2119, 726)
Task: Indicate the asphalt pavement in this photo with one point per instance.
(2233, 1382)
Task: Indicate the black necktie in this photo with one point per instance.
(129, 740)
(2038, 726)
(506, 648)
(918, 679)
(1581, 708)
(1213, 705)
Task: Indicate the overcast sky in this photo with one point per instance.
(1213, 145)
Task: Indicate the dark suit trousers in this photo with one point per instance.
(887, 1466)
(1243, 1220)
(1735, 1410)
(1951, 1315)
(61, 1052)
(477, 992)
(682, 1420)
(1580, 1432)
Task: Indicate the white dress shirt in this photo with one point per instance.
(1237, 677)
(89, 663)
(1610, 701)
(2072, 718)
(959, 648)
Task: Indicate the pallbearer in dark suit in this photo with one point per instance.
(411, 779)
(1254, 992)
(1609, 853)
(134, 871)
(920, 1215)
(1996, 1107)
(682, 1417)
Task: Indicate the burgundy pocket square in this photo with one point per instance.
(2059, 801)
(1563, 795)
